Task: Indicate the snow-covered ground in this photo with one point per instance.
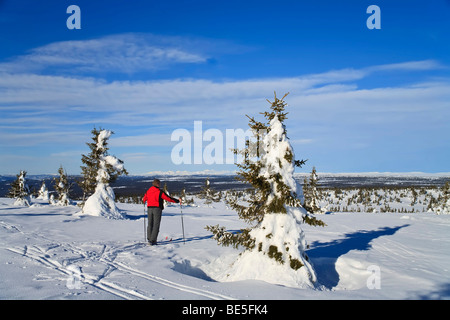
(51, 252)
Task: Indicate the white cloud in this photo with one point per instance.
(422, 65)
(128, 53)
(184, 97)
(407, 99)
(176, 102)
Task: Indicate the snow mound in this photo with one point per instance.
(277, 257)
(22, 202)
(353, 274)
(102, 204)
(255, 266)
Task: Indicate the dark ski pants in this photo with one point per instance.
(154, 220)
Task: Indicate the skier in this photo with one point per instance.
(155, 204)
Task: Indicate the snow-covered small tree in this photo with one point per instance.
(185, 200)
(208, 193)
(166, 191)
(102, 202)
(312, 196)
(20, 190)
(183, 195)
(43, 192)
(91, 166)
(62, 188)
(274, 244)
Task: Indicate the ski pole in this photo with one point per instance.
(182, 222)
(145, 227)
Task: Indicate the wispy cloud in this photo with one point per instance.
(26, 98)
(422, 65)
(128, 53)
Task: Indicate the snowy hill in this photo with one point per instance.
(49, 252)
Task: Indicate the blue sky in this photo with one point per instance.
(360, 100)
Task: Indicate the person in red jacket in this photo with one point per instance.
(154, 197)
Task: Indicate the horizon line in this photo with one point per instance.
(228, 173)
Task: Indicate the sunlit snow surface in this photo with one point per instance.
(50, 252)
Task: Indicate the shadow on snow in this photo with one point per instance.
(325, 254)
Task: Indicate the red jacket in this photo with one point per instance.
(155, 196)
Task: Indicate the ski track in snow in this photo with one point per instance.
(36, 254)
(107, 257)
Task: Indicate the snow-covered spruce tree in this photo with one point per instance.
(20, 190)
(91, 165)
(183, 195)
(208, 193)
(312, 196)
(166, 191)
(274, 243)
(62, 188)
(102, 202)
(43, 192)
(185, 200)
